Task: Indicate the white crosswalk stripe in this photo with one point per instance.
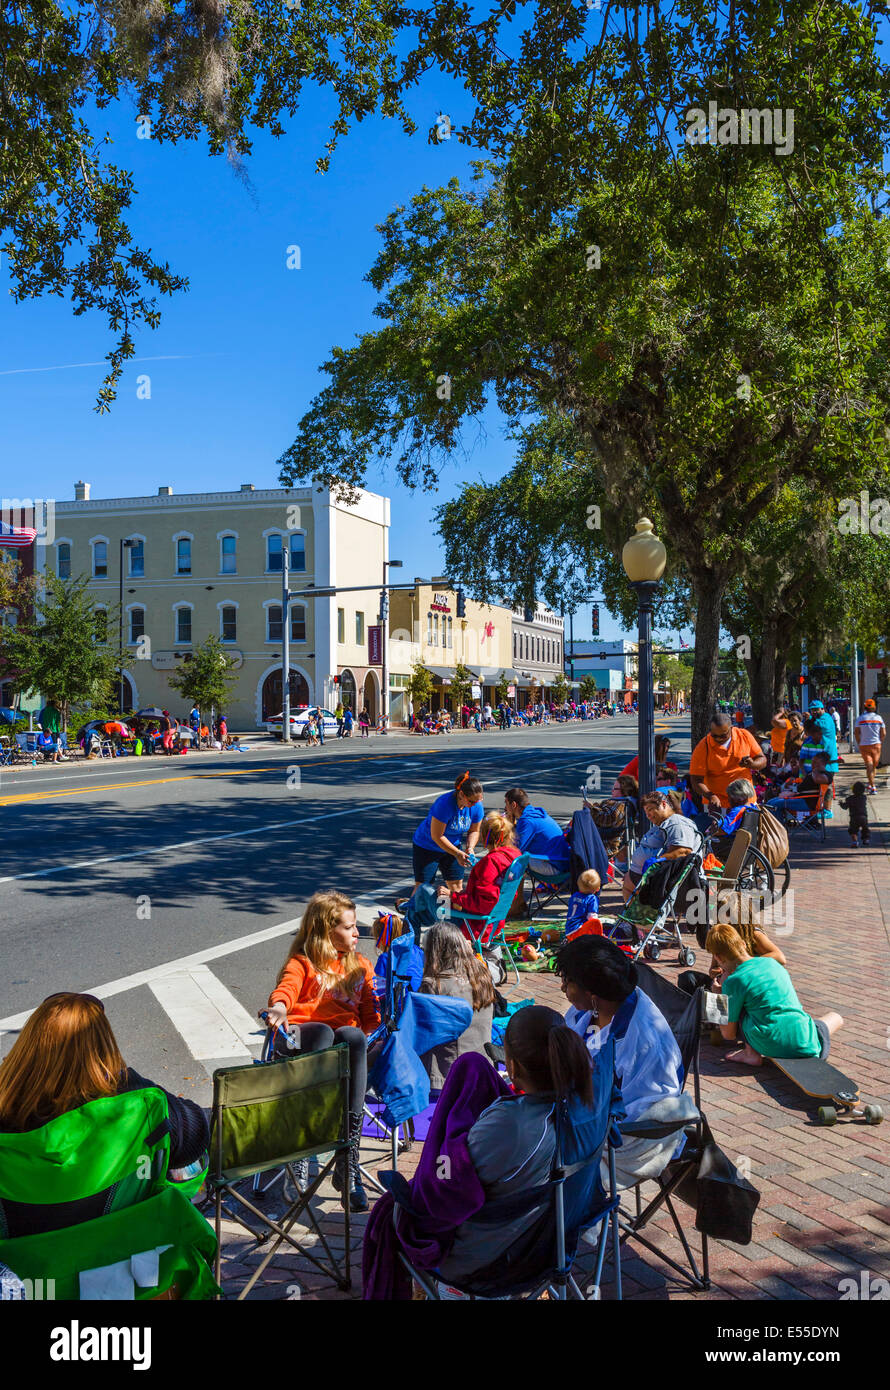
(206, 1015)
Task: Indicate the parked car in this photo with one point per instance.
(298, 718)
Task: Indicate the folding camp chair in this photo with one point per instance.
(497, 916)
(546, 889)
(684, 1014)
(807, 822)
(571, 1202)
(269, 1116)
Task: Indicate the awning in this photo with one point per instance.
(490, 675)
(443, 673)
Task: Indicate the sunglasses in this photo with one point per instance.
(67, 994)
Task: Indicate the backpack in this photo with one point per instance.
(772, 838)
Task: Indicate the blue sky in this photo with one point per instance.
(238, 353)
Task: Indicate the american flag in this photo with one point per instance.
(683, 644)
(16, 537)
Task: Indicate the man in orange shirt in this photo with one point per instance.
(724, 755)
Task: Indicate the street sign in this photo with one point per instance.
(375, 646)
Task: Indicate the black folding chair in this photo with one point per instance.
(684, 1014)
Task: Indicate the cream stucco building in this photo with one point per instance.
(205, 563)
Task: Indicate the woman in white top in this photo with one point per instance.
(869, 731)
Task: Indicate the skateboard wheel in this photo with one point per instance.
(827, 1115)
(652, 950)
(873, 1114)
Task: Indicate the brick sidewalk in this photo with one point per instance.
(824, 1213)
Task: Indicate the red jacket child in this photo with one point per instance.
(484, 887)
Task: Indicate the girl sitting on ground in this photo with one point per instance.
(584, 902)
(325, 992)
(765, 1013)
(452, 967)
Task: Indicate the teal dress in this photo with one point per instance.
(763, 1002)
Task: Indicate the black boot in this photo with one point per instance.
(347, 1171)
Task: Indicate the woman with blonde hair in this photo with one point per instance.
(452, 967)
(325, 994)
(497, 834)
(65, 1057)
(764, 1010)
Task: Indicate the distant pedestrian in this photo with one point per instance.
(319, 724)
(870, 732)
(348, 721)
(167, 732)
(338, 715)
(364, 721)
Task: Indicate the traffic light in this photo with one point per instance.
(595, 620)
(461, 604)
(801, 680)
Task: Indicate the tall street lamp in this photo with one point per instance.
(384, 614)
(125, 545)
(644, 558)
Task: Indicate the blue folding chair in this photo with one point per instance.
(571, 1202)
(498, 914)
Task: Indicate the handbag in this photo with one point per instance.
(724, 1200)
(772, 838)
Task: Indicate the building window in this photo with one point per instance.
(359, 628)
(275, 631)
(137, 559)
(515, 644)
(228, 555)
(137, 624)
(100, 560)
(429, 629)
(228, 623)
(298, 551)
(184, 556)
(100, 625)
(298, 623)
(183, 625)
(341, 624)
(450, 630)
(273, 554)
(435, 629)
(64, 561)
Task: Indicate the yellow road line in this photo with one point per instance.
(125, 786)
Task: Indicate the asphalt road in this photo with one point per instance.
(170, 887)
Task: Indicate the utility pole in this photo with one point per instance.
(854, 694)
(285, 641)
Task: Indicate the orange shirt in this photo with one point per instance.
(777, 736)
(301, 991)
(717, 766)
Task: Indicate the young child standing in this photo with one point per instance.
(325, 992)
(857, 806)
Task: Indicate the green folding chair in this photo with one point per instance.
(270, 1116)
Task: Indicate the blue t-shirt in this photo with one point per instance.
(581, 907)
(457, 820)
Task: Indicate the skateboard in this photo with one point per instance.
(821, 1080)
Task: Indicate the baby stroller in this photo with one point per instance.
(649, 919)
(616, 820)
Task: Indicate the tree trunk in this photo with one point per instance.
(708, 589)
(780, 676)
(761, 674)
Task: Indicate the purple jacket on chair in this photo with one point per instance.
(440, 1203)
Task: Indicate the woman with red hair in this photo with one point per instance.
(66, 1056)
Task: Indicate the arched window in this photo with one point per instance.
(274, 626)
(100, 625)
(63, 560)
(297, 551)
(137, 557)
(183, 621)
(298, 623)
(137, 624)
(273, 553)
(183, 546)
(228, 623)
(228, 554)
(100, 557)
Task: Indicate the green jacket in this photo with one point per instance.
(119, 1147)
